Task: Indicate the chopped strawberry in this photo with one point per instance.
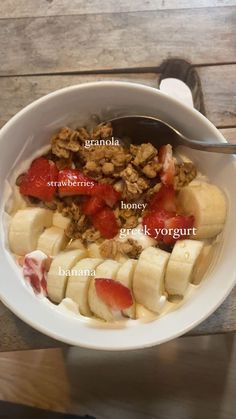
(40, 180)
(178, 222)
(107, 193)
(164, 199)
(154, 222)
(105, 222)
(161, 225)
(34, 270)
(73, 182)
(93, 205)
(166, 158)
(113, 293)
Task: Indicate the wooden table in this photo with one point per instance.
(46, 45)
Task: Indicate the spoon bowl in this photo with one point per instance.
(137, 129)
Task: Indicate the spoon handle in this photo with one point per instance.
(225, 148)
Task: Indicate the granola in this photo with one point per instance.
(113, 249)
(184, 174)
(134, 171)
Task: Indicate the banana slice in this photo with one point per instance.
(108, 269)
(78, 283)
(52, 241)
(144, 314)
(204, 262)
(180, 267)
(58, 220)
(94, 251)
(121, 258)
(75, 244)
(207, 203)
(148, 281)
(137, 234)
(58, 273)
(125, 276)
(25, 228)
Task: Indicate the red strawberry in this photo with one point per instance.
(113, 293)
(92, 205)
(179, 222)
(73, 182)
(166, 158)
(34, 270)
(105, 222)
(164, 199)
(40, 180)
(154, 221)
(107, 193)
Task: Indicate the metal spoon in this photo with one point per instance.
(146, 128)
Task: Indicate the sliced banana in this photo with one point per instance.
(107, 269)
(78, 283)
(60, 221)
(75, 244)
(94, 251)
(52, 241)
(180, 267)
(121, 258)
(148, 281)
(208, 205)
(204, 262)
(125, 276)
(58, 273)
(25, 228)
(137, 234)
(144, 314)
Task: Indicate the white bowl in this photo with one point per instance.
(31, 128)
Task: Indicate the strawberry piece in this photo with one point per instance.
(73, 182)
(105, 222)
(113, 293)
(166, 158)
(180, 222)
(40, 180)
(34, 270)
(155, 221)
(164, 199)
(93, 205)
(107, 193)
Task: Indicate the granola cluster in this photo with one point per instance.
(133, 170)
(184, 174)
(111, 249)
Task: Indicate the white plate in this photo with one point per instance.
(31, 128)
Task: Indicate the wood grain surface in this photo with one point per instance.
(190, 378)
(229, 134)
(219, 87)
(218, 83)
(116, 40)
(29, 8)
(36, 378)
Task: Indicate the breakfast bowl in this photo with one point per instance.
(22, 140)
